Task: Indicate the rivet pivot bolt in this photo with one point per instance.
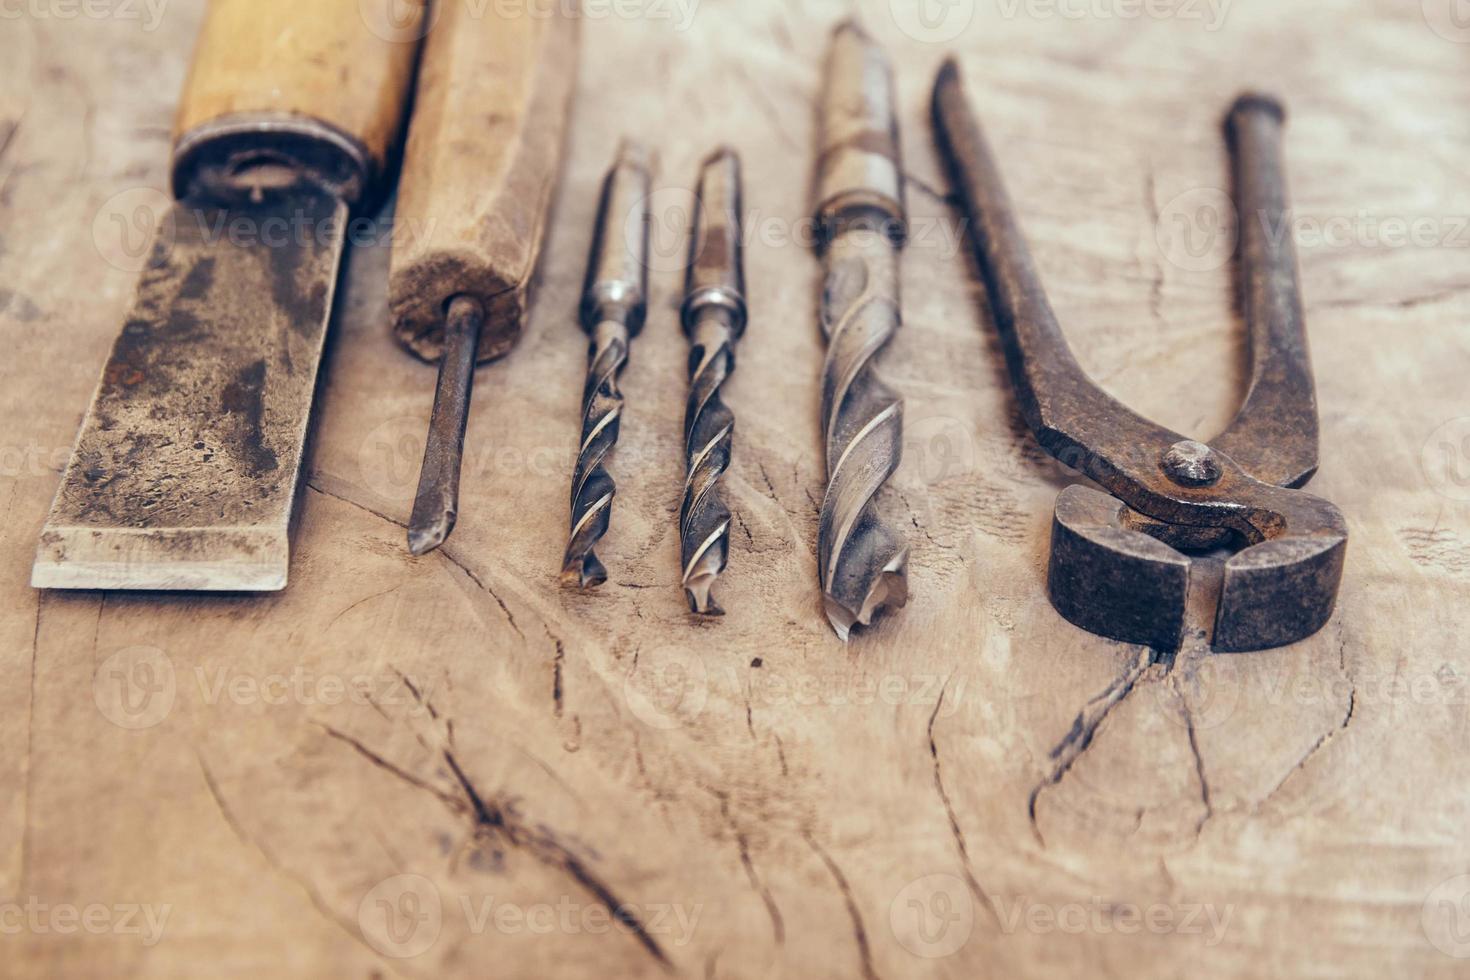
(1192, 464)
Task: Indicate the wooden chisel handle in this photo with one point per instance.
(317, 87)
(484, 153)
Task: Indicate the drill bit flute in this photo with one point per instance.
(614, 306)
(861, 228)
(714, 319)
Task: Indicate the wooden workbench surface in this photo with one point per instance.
(975, 789)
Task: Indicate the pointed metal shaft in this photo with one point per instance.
(860, 216)
(714, 319)
(614, 306)
(436, 506)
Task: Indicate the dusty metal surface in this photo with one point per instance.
(188, 460)
(1112, 570)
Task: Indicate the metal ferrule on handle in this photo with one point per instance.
(283, 94)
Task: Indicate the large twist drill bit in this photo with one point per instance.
(614, 305)
(861, 228)
(714, 319)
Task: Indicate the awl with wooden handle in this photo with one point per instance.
(185, 472)
(481, 166)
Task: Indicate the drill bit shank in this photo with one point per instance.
(714, 319)
(861, 223)
(614, 305)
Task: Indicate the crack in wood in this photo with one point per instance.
(1156, 287)
(859, 931)
(557, 664)
(359, 602)
(313, 484)
(980, 894)
(773, 911)
(489, 818)
(1199, 765)
(450, 557)
(318, 902)
(1349, 710)
(1084, 728)
(388, 767)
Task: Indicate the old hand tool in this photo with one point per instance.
(186, 469)
(1115, 565)
(861, 227)
(614, 305)
(483, 156)
(714, 318)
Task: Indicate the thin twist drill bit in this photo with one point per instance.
(436, 505)
(861, 222)
(714, 319)
(614, 306)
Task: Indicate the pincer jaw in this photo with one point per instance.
(1109, 578)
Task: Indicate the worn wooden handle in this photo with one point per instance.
(483, 157)
(331, 71)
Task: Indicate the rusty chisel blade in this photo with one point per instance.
(185, 473)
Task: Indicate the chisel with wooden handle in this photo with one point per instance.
(185, 472)
(481, 166)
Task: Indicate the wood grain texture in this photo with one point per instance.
(945, 798)
(483, 160)
(347, 63)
